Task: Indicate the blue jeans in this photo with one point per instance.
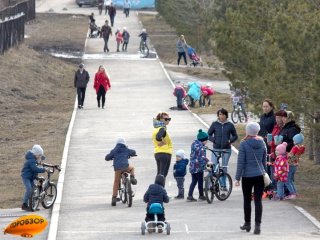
(290, 183)
(224, 164)
(280, 189)
(28, 183)
(180, 185)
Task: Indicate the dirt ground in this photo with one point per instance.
(36, 98)
(163, 38)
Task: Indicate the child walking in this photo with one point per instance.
(30, 171)
(119, 38)
(179, 172)
(198, 162)
(126, 37)
(281, 169)
(156, 194)
(120, 155)
(180, 93)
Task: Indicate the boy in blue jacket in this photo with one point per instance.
(156, 194)
(180, 171)
(30, 171)
(120, 155)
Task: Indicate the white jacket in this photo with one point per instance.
(107, 2)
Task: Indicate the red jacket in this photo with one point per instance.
(101, 78)
(207, 91)
(281, 168)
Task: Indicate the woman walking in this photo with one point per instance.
(162, 143)
(101, 85)
(250, 169)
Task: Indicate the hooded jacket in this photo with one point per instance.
(30, 168)
(250, 150)
(120, 155)
(222, 134)
(156, 192)
(288, 131)
(180, 168)
(194, 90)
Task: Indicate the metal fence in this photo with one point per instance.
(12, 21)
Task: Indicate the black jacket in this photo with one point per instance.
(81, 79)
(156, 192)
(288, 131)
(222, 134)
(120, 155)
(267, 122)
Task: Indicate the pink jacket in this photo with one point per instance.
(207, 91)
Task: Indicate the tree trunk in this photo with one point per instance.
(317, 138)
(311, 143)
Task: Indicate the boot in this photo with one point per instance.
(257, 229)
(98, 104)
(246, 226)
(25, 207)
(114, 201)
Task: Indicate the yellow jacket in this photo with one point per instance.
(167, 147)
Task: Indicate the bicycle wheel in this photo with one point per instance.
(35, 198)
(122, 194)
(50, 196)
(234, 116)
(241, 117)
(144, 50)
(223, 186)
(208, 189)
(128, 193)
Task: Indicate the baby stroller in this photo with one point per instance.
(94, 30)
(196, 60)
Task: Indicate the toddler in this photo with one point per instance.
(281, 169)
(179, 172)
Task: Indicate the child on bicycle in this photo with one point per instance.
(198, 161)
(144, 35)
(156, 194)
(120, 155)
(30, 171)
(180, 171)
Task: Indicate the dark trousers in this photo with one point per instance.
(126, 12)
(81, 95)
(150, 217)
(163, 163)
(258, 186)
(180, 185)
(106, 39)
(124, 46)
(101, 94)
(203, 100)
(106, 10)
(197, 178)
(182, 54)
(112, 19)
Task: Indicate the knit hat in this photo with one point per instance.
(160, 180)
(37, 150)
(281, 148)
(252, 129)
(121, 140)
(298, 138)
(290, 116)
(202, 136)
(180, 153)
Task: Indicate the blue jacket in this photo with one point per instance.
(194, 90)
(249, 150)
(222, 134)
(156, 192)
(198, 157)
(30, 169)
(120, 155)
(180, 168)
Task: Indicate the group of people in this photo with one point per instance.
(196, 92)
(101, 85)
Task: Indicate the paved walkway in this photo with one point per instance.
(139, 90)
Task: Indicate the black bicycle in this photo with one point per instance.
(144, 49)
(238, 113)
(44, 190)
(125, 189)
(217, 182)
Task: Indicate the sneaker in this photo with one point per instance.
(133, 180)
(191, 199)
(25, 207)
(179, 197)
(160, 230)
(291, 196)
(114, 201)
(202, 198)
(79, 106)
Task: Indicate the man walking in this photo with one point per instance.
(107, 4)
(106, 31)
(81, 79)
(112, 13)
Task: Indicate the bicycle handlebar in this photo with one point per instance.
(216, 151)
(52, 166)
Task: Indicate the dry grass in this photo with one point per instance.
(36, 102)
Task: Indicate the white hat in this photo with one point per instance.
(180, 153)
(37, 150)
(121, 140)
(252, 129)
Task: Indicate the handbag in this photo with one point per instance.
(266, 178)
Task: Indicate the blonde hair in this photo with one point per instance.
(290, 116)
